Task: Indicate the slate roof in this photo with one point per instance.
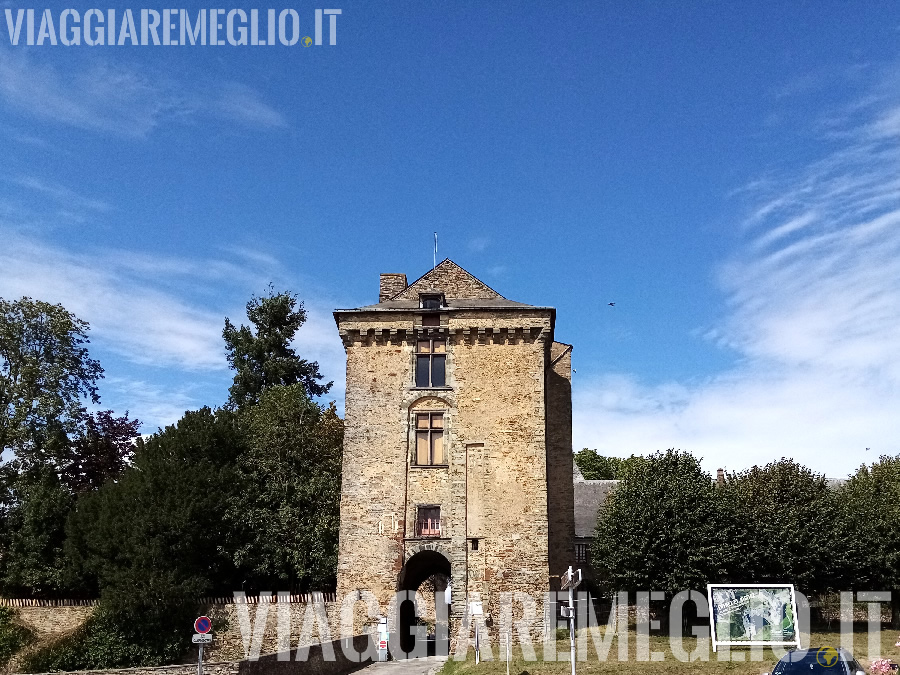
(589, 497)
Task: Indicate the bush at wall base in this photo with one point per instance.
(12, 635)
(111, 639)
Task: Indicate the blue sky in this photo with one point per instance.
(726, 173)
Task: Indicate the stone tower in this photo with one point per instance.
(458, 442)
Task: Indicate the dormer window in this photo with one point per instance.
(431, 301)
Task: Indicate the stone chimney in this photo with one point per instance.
(391, 284)
(720, 478)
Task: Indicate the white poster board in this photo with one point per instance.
(753, 614)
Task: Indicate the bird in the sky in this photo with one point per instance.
(611, 304)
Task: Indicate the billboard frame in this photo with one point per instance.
(751, 643)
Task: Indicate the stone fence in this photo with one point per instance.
(296, 598)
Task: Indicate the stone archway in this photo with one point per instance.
(425, 562)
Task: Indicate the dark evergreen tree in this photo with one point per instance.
(287, 512)
(262, 356)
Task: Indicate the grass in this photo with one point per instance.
(740, 663)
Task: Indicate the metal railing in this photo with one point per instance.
(428, 527)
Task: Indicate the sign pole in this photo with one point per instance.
(477, 652)
(570, 580)
(203, 626)
(507, 651)
(571, 625)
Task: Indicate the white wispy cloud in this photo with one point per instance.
(478, 244)
(813, 312)
(60, 193)
(243, 104)
(133, 317)
(155, 405)
(121, 99)
(140, 309)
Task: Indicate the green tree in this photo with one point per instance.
(34, 563)
(262, 356)
(288, 509)
(46, 374)
(152, 542)
(664, 528)
(786, 515)
(158, 533)
(867, 551)
(53, 447)
(594, 466)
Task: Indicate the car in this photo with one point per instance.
(818, 660)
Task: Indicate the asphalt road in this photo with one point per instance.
(424, 666)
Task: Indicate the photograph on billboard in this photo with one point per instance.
(753, 614)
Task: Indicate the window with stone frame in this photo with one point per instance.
(430, 439)
(431, 363)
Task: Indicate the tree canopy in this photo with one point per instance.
(663, 528)
(262, 356)
(786, 515)
(594, 466)
(46, 374)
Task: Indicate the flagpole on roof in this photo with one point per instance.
(434, 263)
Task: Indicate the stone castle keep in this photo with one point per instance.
(458, 443)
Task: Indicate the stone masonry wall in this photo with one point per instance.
(495, 435)
(560, 489)
(50, 622)
(450, 279)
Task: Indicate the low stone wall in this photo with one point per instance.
(228, 668)
(316, 663)
(228, 641)
(49, 622)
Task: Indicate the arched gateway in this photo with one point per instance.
(425, 577)
(457, 443)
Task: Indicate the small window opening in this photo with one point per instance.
(431, 301)
(474, 544)
(428, 521)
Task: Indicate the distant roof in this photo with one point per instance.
(589, 497)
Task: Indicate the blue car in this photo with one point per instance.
(821, 660)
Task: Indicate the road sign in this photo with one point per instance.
(202, 638)
(382, 644)
(202, 624)
(571, 579)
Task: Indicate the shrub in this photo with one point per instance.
(13, 636)
(110, 639)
